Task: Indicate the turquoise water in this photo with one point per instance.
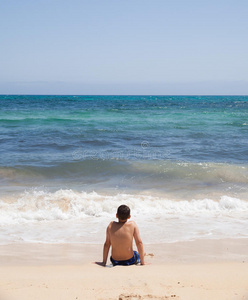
(122, 140)
(46, 130)
(55, 149)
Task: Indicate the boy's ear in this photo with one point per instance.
(116, 216)
(129, 217)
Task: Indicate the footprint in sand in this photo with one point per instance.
(144, 297)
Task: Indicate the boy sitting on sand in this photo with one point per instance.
(120, 236)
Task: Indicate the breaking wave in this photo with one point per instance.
(40, 206)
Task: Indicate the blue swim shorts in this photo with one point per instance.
(134, 260)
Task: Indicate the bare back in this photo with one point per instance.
(121, 238)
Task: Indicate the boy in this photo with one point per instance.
(120, 236)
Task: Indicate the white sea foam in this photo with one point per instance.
(38, 206)
(69, 216)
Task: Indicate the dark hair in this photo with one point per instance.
(123, 212)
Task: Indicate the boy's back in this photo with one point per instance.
(121, 237)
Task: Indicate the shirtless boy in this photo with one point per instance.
(120, 236)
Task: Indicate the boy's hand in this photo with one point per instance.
(100, 263)
(146, 263)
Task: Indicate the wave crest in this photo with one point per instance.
(39, 206)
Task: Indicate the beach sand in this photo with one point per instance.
(203, 269)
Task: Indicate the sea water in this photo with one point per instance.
(68, 162)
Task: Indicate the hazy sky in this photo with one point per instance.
(124, 47)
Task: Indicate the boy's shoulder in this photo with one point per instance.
(111, 223)
(131, 223)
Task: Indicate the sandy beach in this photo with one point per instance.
(124, 122)
(203, 269)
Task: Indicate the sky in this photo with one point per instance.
(154, 47)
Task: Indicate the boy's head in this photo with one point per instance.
(123, 212)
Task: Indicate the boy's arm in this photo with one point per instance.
(106, 246)
(139, 244)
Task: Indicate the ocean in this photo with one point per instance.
(68, 162)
